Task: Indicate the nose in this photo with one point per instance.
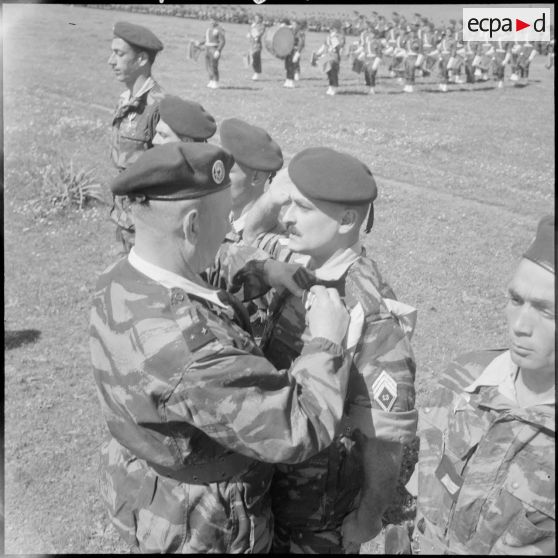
(522, 321)
(288, 217)
(111, 59)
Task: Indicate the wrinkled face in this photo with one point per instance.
(214, 225)
(164, 134)
(531, 317)
(124, 61)
(312, 225)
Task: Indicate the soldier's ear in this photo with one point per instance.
(349, 220)
(143, 58)
(191, 226)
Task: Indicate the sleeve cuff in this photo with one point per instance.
(321, 344)
(389, 426)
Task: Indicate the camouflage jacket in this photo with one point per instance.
(232, 256)
(486, 466)
(320, 492)
(182, 387)
(133, 124)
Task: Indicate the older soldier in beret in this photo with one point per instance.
(335, 501)
(183, 120)
(192, 406)
(133, 52)
(487, 457)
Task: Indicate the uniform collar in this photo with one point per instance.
(502, 372)
(171, 280)
(148, 84)
(337, 265)
(238, 224)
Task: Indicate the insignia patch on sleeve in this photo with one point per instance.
(385, 391)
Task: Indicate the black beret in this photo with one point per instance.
(324, 174)
(250, 145)
(186, 118)
(542, 249)
(176, 171)
(137, 36)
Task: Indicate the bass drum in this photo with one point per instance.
(279, 41)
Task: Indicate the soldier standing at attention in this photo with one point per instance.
(133, 52)
(486, 482)
(192, 406)
(214, 43)
(182, 120)
(257, 30)
(334, 501)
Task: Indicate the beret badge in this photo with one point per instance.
(218, 171)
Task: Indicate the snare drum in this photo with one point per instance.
(279, 41)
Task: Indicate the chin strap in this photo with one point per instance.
(370, 220)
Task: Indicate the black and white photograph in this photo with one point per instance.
(278, 278)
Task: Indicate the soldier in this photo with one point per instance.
(447, 49)
(256, 33)
(133, 52)
(335, 501)
(182, 120)
(501, 57)
(292, 60)
(299, 44)
(191, 404)
(332, 47)
(487, 457)
(214, 43)
(413, 57)
(522, 54)
(257, 158)
(189, 122)
(370, 51)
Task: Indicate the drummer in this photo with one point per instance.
(332, 47)
(291, 57)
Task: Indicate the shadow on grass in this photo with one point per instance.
(15, 339)
(241, 87)
(352, 93)
(460, 90)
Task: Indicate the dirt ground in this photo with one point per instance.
(463, 178)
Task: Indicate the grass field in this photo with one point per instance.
(463, 178)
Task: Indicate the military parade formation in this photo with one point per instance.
(408, 50)
(256, 371)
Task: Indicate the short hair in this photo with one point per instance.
(151, 54)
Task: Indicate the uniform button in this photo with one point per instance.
(279, 330)
(347, 429)
(223, 474)
(515, 485)
(427, 409)
(195, 478)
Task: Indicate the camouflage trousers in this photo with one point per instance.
(158, 514)
(288, 541)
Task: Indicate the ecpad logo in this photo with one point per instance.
(506, 24)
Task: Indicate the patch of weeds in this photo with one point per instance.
(62, 187)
